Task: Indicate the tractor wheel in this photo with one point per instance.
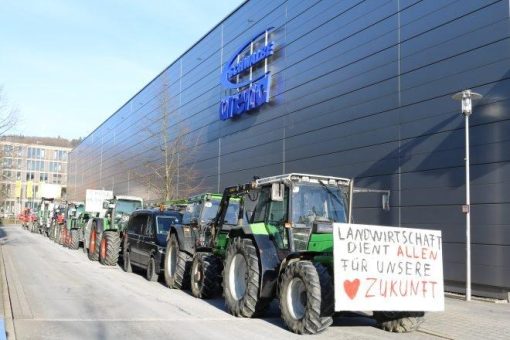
(306, 297)
(177, 265)
(241, 280)
(61, 235)
(94, 241)
(151, 274)
(399, 322)
(205, 276)
(74, 241)
(109, 248)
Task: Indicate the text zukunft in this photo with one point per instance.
(256, 95)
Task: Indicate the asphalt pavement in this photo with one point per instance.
(51, 292)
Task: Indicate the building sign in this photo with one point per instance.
(387, 268)
(238, 74)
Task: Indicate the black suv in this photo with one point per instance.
(146, 238)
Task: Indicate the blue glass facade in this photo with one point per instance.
(359, 89)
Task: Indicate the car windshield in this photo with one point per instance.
(232, 213)
(164, 222)
(127, 207)
(209, 210)
(317, 202)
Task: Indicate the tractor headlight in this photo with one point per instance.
(323, 228)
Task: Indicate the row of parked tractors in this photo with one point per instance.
(271, 238)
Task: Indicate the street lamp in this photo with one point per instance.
(466, 98)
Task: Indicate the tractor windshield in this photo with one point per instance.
(209, 210)
(317, 202)
(125, 207)
(231, 216)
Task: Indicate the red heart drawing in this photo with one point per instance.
(351, 288)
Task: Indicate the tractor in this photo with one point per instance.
(280, 246)
(76, 220)
(102, 237)
(44, 216)
(199, 212)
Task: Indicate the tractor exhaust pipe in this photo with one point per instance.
(351, 191)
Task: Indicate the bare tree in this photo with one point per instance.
(172, 175)
(8, 115)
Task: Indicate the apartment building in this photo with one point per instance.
(27, 163)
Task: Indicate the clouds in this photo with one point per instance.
(63, 61)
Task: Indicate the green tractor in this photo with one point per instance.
(76, 220)
(44, 216)
(280, 246)
(102, 238)
(198, 213)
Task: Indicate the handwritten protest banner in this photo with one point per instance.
(381, 268)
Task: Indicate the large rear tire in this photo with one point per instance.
(109, 248)
(74, 241)
(399, 322)
(95, 239)
(177, 265)
(205, 275)
(306, 297)
(241, 280)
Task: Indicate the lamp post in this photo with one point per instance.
(466, 98)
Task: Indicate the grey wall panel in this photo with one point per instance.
(360, 89)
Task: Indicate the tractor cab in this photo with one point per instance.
(201, 212)
(297, 210)
(120, 208)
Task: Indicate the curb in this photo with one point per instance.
(7, 330)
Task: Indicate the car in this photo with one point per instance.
(145, 241)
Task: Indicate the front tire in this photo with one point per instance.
(74, 241)
(177, 265)
(306, 297)
(205, 276)
(399, 322)
(94, 241)
(241, 280)
(109, 248)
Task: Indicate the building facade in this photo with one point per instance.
(347, 88)
(27, 163)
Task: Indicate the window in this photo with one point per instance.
(60, 155)
(149, 228)
(57, 178)
(18, 175)
(163, 222)
(6, 175)
(35, 165)
(55, 167)
(43, 177)
(259, 213)
(8, 150)
(36, 153)
(30, 176)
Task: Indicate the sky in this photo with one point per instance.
(67, 65)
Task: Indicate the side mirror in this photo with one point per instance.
(105, 204)
(277, 190)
